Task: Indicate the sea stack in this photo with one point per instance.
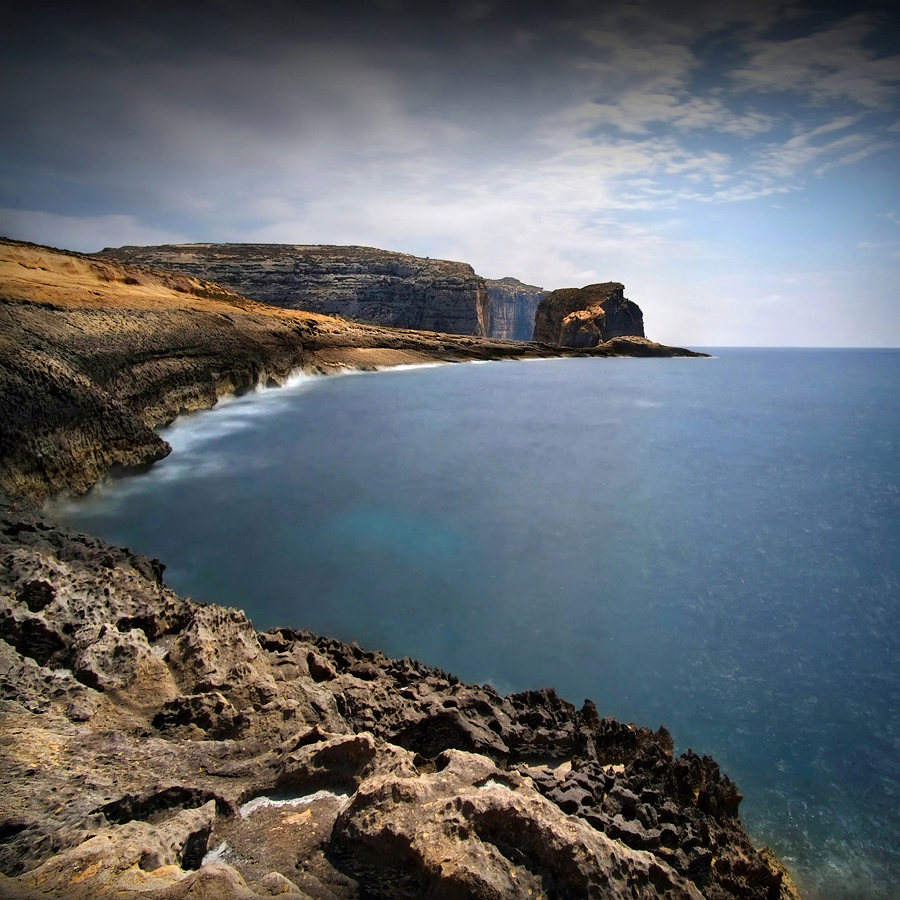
(588, 316)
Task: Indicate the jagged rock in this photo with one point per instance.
(362, 283)
(513, 307)
(196, 712)
(472, 830)
(136, 856)
(588, 316)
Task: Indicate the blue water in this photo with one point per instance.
(712, 545)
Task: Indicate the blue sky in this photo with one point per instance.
(735, 165)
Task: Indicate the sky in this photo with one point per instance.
(736, 165)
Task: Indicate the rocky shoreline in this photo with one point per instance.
(153, 744)
(94, 354)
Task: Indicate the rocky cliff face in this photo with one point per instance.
(513, 307)
(360, 283)
(588, 316)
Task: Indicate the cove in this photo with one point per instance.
(711, 545)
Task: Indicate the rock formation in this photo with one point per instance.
(588, 316)
(153, 746)
(358, 283)
(513, 307)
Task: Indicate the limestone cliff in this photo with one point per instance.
(588, 316)
(359, 283)
(513, 307)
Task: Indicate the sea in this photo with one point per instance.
(712, 545)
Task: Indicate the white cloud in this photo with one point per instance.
(850, 159)
(830, 65)
(637, 110)
(781, 167)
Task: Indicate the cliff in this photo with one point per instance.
(513, 306)
(361, 283)
(150, 745)
(588, 316)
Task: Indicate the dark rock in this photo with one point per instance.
(621, 801)
(588, 316)
(209, 712)
(36, 595)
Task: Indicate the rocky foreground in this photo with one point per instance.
(152, 744)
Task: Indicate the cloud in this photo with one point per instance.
(850, 159)
(797, 153)
(830, 65)
(636, 111)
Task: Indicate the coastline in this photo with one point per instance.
(138, 724)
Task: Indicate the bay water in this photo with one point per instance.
(712, 545)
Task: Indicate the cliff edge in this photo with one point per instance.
(361, 283)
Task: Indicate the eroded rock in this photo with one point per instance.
(143, 733)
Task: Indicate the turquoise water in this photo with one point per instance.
(712, 545)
